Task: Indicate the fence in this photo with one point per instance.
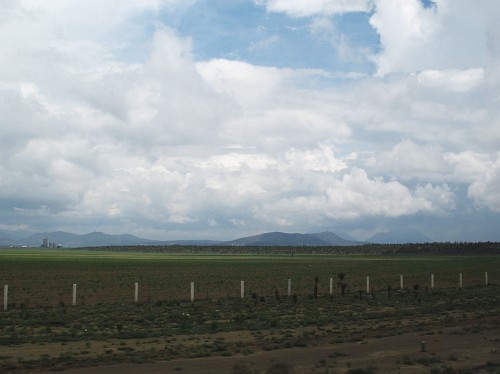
(242, 291)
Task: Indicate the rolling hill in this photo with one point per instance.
(401, 236)
(321, 239)
(293, 240)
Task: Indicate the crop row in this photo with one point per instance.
(46, 279)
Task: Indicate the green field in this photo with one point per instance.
(45, 277)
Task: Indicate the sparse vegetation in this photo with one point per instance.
(106, 326)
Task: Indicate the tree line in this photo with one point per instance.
(441, 248)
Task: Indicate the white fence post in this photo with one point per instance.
(367, 284)
(192, 291)
(432, 281)
(136, 292)
(486, 278)
(460, 280)
(331, 286)
(401, 281)
(5, 296)
(289, 292)
(73, 302)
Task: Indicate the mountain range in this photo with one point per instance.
(100, 239)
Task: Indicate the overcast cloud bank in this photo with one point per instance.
(110, 121)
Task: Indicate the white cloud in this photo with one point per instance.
(436, 199)
(321, 159)
(264, 43)
(243, 82)
(408, 160)
(452, 80)
(298, 8)
(164, 144)
(486, 190)
(468, 166)
(357, 195)
(353, 196)
(452, 34)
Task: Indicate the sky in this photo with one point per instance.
(218, 119)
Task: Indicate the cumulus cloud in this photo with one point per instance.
(297, 8)
(356, 195)
(452, 80)
(321, 159)
(485, 190)
(408, 160)
(243, 82)
(447, 35)
(163, 144)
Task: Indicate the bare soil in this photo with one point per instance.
(478, 352)
(359, 333)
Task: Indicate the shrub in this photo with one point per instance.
(280, 368)
(368, 370)
(241, 369)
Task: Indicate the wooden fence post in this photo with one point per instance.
(460, 283)
(289, 291)
(367, 284)
(432, 281)
(136, 292)
(486, 278)
(73, 302)
(5, 296)
(242, 289)
(331, 286)
(192, 291)
(401, 281)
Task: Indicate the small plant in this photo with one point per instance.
(444, 370)
(416, 287)
(280, 368)
(368, 370)
(427, 361)
(255, 298)
(342, 283)
(407, 360)
(241, 369)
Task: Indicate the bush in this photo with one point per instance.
(280, 368)
(241, 369)
(368, 370)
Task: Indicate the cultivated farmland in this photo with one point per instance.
(41, 329)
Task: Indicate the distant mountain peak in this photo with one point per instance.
(400, 236)
(277, 238)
